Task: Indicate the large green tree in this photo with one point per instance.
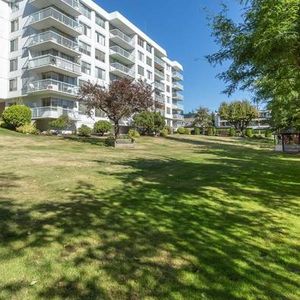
(238, 113)
(263, 51)
(202, 118)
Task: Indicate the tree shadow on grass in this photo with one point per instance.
(87, 140)
(173, 229)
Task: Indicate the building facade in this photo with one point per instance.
(51, 47)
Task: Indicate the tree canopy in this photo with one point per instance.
(149, 122)
(264, 55)
(120, 100)
(202, 118)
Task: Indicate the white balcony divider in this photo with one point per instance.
(121, 35)
(51, 36)
(52, 85)
(122, 68)
(53, 112)
(122, 52)
(52, 60)
(51, 12)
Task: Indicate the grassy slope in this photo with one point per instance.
(183, 218)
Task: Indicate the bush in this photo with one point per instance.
(27, 129)
(187, 131)
(61, 123)
(232, 132)
(180, 130)
(268, 134)
(16, 116)
(149, 123)
(211, 131)
(249, 132)
(197, 131)
(169, 129)
(164, 132)
(84, 131)
(133, 134)
(102, 127)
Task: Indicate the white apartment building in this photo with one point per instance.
(50, 47)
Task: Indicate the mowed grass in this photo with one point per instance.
(178, 218)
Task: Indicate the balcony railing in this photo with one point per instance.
(53, 112)
(177, 75)
(159, 61)
(159, 98)
(177, 96)
(178, 117)
(51, 12)
(177, 106)
(121, 35)
(51, 60)
(159, 73)
(122, 68)
(51, 36)
(122, 52)
(178, 86)
(73, 3)
(52, 85)
(159, 85)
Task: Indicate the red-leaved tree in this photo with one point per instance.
(120, 100)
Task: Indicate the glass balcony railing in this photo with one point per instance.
(159, 61)
(51, 60)
(122, 68)
(52, 85)
(118, 33)
(178, 117)
(159, 98)
(177, 96)
(53, 112)
(51, 12)
(159, 73)
(177, 75)
(177, 106)
(51, 36)
(73, 3)
(178, 86)
(159, 85)
(122, 52)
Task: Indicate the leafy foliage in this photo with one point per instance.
(133, 134)
(264, 55)
(28, 129)
(16, 116)
(197, 131)
(238, 113)
(120, 100)
(181, 130)
(84, 131)
(102, 127)
(231, 132)
(61, 123)
(149, 122)
(202, 118)
(249, 132)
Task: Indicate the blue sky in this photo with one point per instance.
(180, 26)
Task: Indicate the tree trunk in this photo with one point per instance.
(116, 129)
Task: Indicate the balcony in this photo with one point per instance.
(122, 39)
(51, 86)
(50, 17)
(122, 55)
(160, 75)
(159, 63)
(159, 86)
(177, 96)
(178, 117)
(159, 98)
(48, 63)
(177, 107)
(177, 76)
(177, 86)
(71, 7)
(53, 112)
(52, 40)
(121, 70)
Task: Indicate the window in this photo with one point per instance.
(100, 38)
(140, 42)
(14, 6)
(100, 21)
(14, 25)
(149, 61)
(149, 75)
(14, 45)
(168, 77)
(84, 48)
(13, 65)
(13, 84)
(141, 56)
(85, 68)
(85, 10)
(99, 73)
(99, 113)
(99, 55)
(141, 71)
(168, 110)
(149, 48)
(86, 30)
(168, 67)
(168, 99)
(168, 88)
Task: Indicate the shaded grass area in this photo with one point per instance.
(177, 218)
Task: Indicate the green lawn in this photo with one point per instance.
(177, 218)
